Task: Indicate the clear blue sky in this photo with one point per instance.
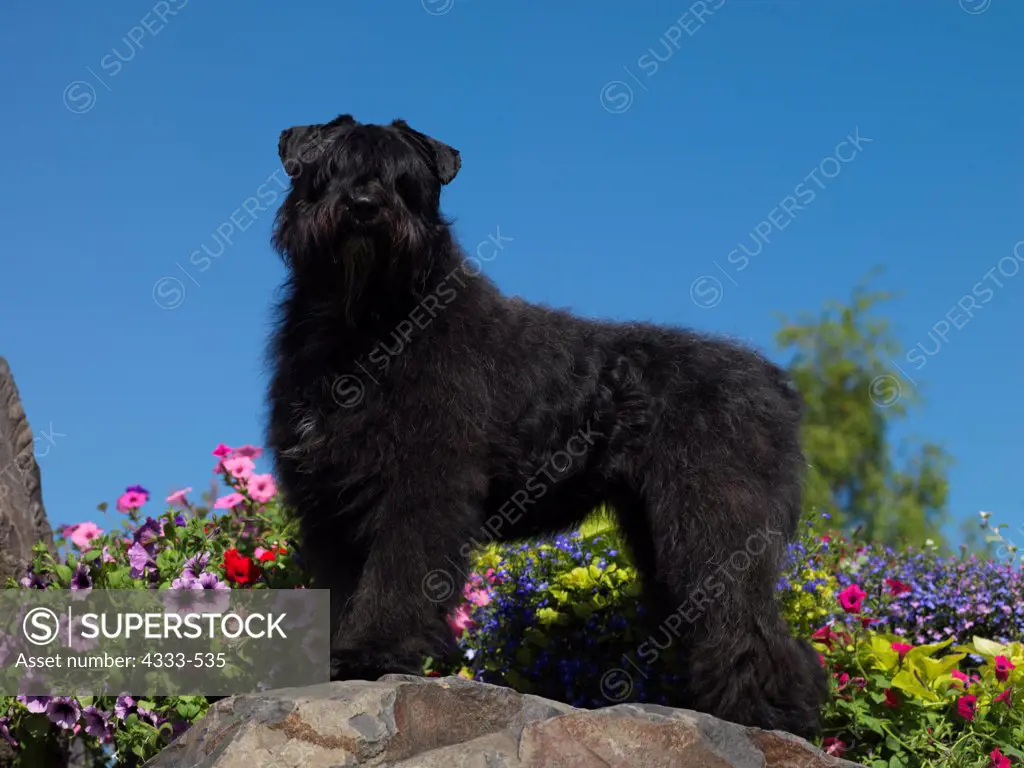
(616, 201)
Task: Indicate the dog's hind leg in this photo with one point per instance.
(718, 536)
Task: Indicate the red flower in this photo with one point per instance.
(999, 760)
(891, 699)
(902, 649)
(967, 707)
(843, 679)
(239, 569)
(821, 658)
(852, 598)
(833, 746)
(1006, 697)
(824, 635)
(1003, 668)
(897, 587)
(267, 556)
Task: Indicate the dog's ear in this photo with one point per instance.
(445, 160)
(291, 144)
(304, 143)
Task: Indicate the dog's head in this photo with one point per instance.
(359, 189)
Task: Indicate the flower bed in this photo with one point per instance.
(923, 650)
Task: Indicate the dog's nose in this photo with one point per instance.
(364, 207)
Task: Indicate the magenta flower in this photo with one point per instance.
(248, 452)
(178, 497)
(64, 712)
(1003, 668)
(902, 649)
(852, 598)
(222, 451)
(131, 500)
(967, 707)
(230, 501)
(239, 467)
(261, 488)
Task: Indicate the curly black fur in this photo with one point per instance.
(415, 412)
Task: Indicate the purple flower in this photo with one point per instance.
(137, 489)
(80, 579)
(96, 722)
(149, 533)
(139, 559)
(64, 712)
(35, 704)
(179, 520)
(123, 707)
(185, 581)
(195, 565)
(5, 731)
(32, 580)
(152, 717)
(210, 581)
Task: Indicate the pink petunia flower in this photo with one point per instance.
(478, 597)
(967, 707)
(459, 620)
(998, 759)
(222, 451)
(261, 488)
(1003, 668)
(230, 501)
(178, 497)
(852, 598)
(833, 746)
(238, 467)
(83, 534)
(131, 500)
(248, 452)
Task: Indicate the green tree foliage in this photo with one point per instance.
(842, 364)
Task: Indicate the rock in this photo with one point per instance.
(23, 519)
(412, 722)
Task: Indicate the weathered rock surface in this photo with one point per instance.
(23, 520)
(411, 722)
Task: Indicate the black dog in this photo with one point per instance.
(416, 411)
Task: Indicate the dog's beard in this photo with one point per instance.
(356, 266)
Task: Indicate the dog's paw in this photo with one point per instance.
(348, 666)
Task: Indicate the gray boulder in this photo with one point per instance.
(23, 519)
(412, 722)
